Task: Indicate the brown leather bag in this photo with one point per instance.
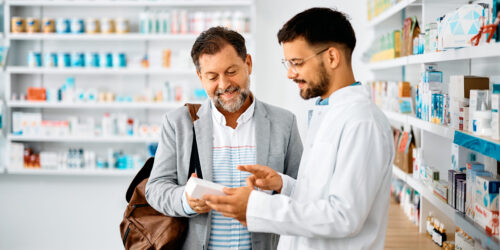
(142, 226)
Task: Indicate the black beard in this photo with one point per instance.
(317, 89)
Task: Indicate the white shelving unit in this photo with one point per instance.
(483, 51)
(435, 129)
(390, 12)
(106, 37)
(424, 190)
(87, 139)
(129, 81)
(71, 172)
(436, 139)
(129, 3)
(111, 105)
(99, 71)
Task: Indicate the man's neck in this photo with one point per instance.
(340, 81)
(231, 118)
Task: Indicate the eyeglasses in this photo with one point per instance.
(297, 62)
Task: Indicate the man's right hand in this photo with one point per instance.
(199, 206)
(263, 177)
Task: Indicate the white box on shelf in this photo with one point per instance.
(495, 114)
(16, 159)
(196, 188)
(48, 160)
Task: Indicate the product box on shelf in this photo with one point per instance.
(453, 177)
(487, 192)
(411, 30)
(459, 26)
(460, 85)
(478, 105)
(471, 190)
(16, 153)
(404, 89)
(486, 219)
(461, 185)
(404, 149)
(495, 111)
(440, 190)
(459, 156)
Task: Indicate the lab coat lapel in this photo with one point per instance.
(262, 133)
(204, 139)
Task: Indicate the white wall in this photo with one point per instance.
(60, 212)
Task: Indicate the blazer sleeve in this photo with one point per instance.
(293, 151)
(162, 190)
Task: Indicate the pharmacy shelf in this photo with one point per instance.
(483, 145)
(110, 105)
(129, 3)
(88, 139)
(425, 191)
(99, 71)
(475, 231)
(397, 8)
(483, 51)
(437, 129)
(70, 172)
(106, 37)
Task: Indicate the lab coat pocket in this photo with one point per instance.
(321, 166)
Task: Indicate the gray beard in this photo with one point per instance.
(232, 106)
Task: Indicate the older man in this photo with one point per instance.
(233, 128)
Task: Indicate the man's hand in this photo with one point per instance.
(233, 205)
(263, 177)
(199, 206)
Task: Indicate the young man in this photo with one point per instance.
(233, 128)
(340, 199)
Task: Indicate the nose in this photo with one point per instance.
(291, 73)
(223, 82)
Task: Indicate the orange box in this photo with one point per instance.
(404, 89)
(37, 94)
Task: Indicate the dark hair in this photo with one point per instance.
(213, 40)
(320, 26)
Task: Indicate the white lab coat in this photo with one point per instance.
(340, 199)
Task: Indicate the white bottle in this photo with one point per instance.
(106, 125)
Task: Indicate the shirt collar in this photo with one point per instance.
(323, 102)
(245, 117)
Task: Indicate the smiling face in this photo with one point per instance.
(226, 78)
(311, 76)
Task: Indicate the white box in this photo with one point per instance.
(196, 188)
(495, 116)
(16, 156)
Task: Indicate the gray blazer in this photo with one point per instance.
(278, 146)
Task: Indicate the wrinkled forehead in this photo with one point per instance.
(220, 61)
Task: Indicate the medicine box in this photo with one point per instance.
(487, 192)
(461, 85)
(486, 219)
(441, 190)
(196, 188)
(495, 112)
(471, 190)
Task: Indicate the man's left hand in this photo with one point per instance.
(234, 204)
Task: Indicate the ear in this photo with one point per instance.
(334, 57)
(199, 74)
(248, 62)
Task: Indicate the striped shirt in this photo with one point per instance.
(231, 147)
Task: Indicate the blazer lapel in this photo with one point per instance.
(204, 134)
(263, 132)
